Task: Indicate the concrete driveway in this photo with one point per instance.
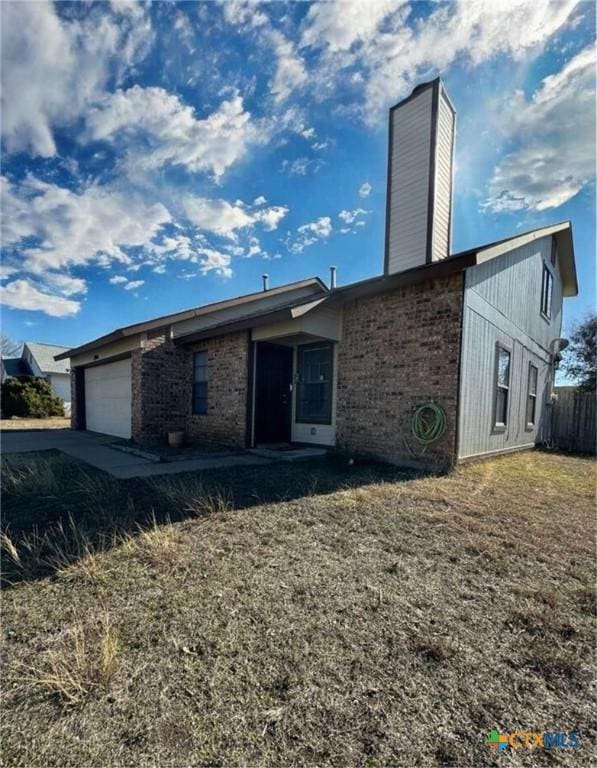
(97, 450)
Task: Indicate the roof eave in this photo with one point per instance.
(256, 320)
(166, 320)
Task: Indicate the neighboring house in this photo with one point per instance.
(39, 360)
(474, 332)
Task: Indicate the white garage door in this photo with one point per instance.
(108, 398)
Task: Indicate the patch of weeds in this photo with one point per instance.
(188, 495)
(82, 661)
(64, 549)
(158, 545)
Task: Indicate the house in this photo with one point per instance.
(474, 334)
(39, 360)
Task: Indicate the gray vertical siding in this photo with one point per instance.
(443, 179)
(409, 185)
(502, 304)
(512, 284)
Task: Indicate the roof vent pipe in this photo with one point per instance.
(265, 279)
(332, 278)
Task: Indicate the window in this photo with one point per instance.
(315, 376)
(502, 388)
(554, 251)
(200, 383)
(546, 292)
(531, 396)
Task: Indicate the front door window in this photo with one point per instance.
(315, 382)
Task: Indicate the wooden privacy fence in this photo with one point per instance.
(574, 425)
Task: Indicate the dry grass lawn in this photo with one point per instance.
(365, 618)
(53, 422)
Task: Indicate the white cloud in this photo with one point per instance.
(307, 133)
(349, 216)
(259, 200)
(218, 216)
(365, 189)
(65, 284)
(224, 218)
(290, 72)
(133, 284)
(182, 24)
(321, 227)
(127, 8)
(310, 233)
(128, 285)
(338, 26)
(170, 131)
(254, 248)
(6, 271)
(555, 134)
(23, 294)
(57, 67)
(243, 13)
(215, 261)
(76, 228)
(390, 56)
(271, 217)
(179, 247)
(301, 166)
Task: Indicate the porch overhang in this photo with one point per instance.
(311, 318)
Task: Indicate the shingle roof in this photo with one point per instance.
(457, 262)
(16, 366)
(158, 322)
(44, 357)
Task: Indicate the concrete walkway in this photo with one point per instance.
(96, 450)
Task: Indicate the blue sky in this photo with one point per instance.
(158, 157)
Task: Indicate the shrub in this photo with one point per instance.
(30, 397)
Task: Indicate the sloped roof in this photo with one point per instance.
(159, 322)
(460, 261)
(289, 311)
(457, 262)
(44, 355)
(16, 366)
(562, 231)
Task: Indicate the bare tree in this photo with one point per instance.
(9, 347)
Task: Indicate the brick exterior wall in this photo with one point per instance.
(74, 412)
(399, 350)
(227, 366)
(160, 377)
(162, 384)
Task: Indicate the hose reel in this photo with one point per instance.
(428, 423)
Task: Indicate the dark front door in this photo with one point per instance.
(273, 403)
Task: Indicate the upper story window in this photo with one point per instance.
(554, 251)
(315, 376)
(546, 292)
(532, 396)
(502, 387)
(200, 383)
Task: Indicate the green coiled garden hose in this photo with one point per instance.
(429, 423)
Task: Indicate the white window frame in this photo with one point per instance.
(530, 425)
(501, 426)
